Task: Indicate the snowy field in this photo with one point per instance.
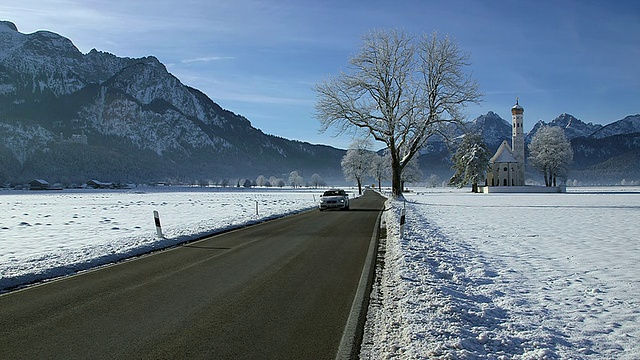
(510, 276)
(489, 276)
(54, 233)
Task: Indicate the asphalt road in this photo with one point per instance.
(278, 290)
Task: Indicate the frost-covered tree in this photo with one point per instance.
(433, 181)
(380, 168)
(261, 180)
(470, 162)
(550, 153)
(295, 180)
(357, 162)
(316, 181)
(279, 182)
(401, 90)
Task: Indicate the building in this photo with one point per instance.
(95, 184)
(39, 184)
(506, 167)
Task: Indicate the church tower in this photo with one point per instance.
(517, 141)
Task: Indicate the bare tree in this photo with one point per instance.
(380, 169)
(357, 162)
(550, 152)
(295, 180)
(316, 180)
(399, 90)
(261, 181)
(433, 181)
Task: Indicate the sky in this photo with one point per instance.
(262, 59)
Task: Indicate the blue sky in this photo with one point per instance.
(261, 59)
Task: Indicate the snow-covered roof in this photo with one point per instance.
(503, 154)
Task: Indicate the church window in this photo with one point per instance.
(505, 169)
(505, 182)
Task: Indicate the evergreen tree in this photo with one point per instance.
(470, 162)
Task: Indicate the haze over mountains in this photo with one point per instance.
(69, 117)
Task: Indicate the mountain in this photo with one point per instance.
(493, 129)
(70, 117)
(628, 125)
(573, 127)
(602, 155)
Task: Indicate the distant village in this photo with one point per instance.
(39, 184)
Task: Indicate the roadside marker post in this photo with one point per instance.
(156, 217)
(402, 221)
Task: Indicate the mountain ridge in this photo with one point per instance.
(140, 123)
(124, 106)
(596, 147)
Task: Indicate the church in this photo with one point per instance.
(506, 167)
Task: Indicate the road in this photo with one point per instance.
(278, 290)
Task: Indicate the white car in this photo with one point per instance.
(334, 199)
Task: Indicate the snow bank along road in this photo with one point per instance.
(281, 289)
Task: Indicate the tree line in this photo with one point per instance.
(295, 180)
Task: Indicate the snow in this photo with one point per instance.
(54, 233)
(509, 276)
(491, 276)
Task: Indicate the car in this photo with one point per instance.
(334, 199)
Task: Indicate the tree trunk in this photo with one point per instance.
(396, 180)
(547, 176)
(474, 187)
(359, 186)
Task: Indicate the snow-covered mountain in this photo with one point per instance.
(601, 154)
(68, 116)
(628, 125)
(493, 129)
(573, 127)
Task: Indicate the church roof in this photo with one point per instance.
(517, 109)
(503, 154)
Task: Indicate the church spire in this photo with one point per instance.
(517, 109)
(517, 140)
